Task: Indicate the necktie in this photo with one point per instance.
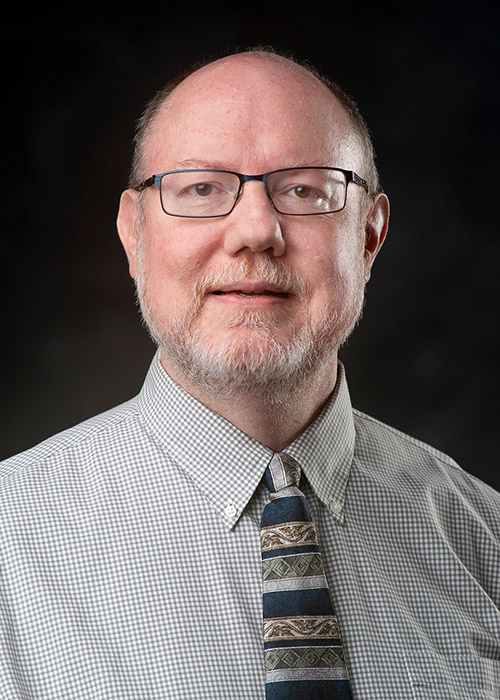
(302, 648)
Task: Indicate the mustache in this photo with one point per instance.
(273, 272)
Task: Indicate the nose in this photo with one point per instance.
(254, 224)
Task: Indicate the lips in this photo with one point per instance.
(251, 289)
(243, 293)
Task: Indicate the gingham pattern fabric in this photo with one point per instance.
(302, 645)
(130, 562)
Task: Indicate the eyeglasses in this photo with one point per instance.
(201, 194)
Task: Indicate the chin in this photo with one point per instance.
(253, 358)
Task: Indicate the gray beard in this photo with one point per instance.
(262, 363)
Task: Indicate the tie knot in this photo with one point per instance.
(282, 471)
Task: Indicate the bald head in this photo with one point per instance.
(249, 74)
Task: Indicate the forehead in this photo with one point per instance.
(251, 115)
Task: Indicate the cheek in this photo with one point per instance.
(335, 272)
(183, 242)
(173, 261)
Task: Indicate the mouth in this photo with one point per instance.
(249, 290)
(245, 293)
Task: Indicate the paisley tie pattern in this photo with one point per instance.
(302, 647)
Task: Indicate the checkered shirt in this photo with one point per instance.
(130, 559)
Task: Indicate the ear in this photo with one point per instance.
(376, 225)
(127, 227)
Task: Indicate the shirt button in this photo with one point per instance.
(230, 511)
(336, 507)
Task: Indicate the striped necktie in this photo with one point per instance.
(302, 648)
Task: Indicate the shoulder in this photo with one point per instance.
(97, 434)
(374, 436)
(415, 467)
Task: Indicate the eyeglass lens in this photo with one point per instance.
(213, 193)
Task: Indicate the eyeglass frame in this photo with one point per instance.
(350, 176)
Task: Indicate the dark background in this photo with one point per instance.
(425, 356)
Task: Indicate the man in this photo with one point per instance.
(130, 549)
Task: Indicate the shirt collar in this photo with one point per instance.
(325, 449)
(227, 465)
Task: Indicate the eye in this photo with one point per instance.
(303, 192)
(202, 189)
(207, 189)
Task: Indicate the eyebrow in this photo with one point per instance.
(204, 164)
(195, 163)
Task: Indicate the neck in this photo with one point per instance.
(273, 421)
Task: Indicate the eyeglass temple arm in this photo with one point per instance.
(358, 180)
(145, 183)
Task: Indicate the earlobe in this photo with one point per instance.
(376, 226)
(127, 227)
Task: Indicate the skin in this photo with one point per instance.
(251, 115)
